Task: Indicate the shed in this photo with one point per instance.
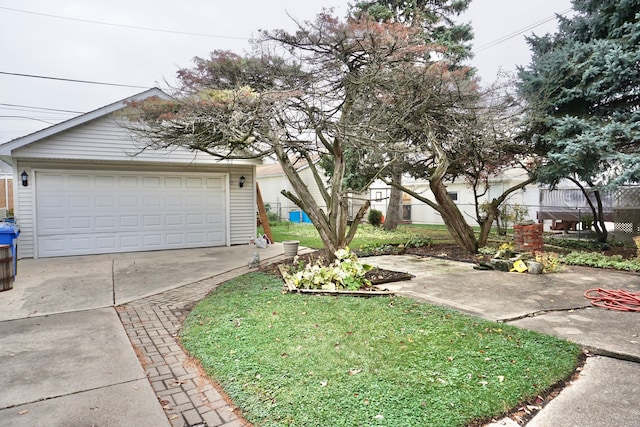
(89, 188)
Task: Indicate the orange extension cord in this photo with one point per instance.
(619, 299)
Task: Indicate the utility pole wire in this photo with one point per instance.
(72, 80)
(134, 27)
(518, 32)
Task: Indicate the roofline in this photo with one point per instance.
(7, 148)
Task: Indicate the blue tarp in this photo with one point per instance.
(299, 216)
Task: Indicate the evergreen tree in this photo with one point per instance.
(583, 90)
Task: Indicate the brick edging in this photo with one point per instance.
(188, 397)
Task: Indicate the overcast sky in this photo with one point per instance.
(65, 39)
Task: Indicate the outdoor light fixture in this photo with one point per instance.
(240, 182)
(25, 178)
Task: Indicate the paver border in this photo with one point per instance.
(188, 397)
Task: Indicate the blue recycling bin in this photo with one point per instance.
(9, 233)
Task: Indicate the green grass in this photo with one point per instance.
(298, 360)
(366, 234)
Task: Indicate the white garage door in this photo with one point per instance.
(93, 213)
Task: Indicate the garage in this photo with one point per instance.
(85, 212)
(89, 186)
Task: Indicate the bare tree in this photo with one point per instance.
(295, 97)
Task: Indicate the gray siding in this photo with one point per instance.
(104, 140)
(24, 211)
(243, 209)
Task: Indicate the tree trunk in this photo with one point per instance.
(461, 232)
(394, 208)
(596, 210)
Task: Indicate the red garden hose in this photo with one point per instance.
(619, 299)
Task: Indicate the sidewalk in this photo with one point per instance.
(67, 360)
(91, 340)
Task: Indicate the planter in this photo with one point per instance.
(534, 267)
(291, 247)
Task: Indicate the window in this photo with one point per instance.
(453, 195)
(378, 196)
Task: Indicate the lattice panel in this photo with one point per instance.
(626, 213)
(627, 198)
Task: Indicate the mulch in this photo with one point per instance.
(439, 250)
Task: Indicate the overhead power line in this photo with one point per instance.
(41, 108)
(134, 27)
(72, 80)
(518, 32)
(27, 118)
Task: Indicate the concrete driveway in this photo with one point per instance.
(65, 357)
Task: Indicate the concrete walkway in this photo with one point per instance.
(67, 360)
(608, 391)
(91, 340)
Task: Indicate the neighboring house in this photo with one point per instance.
(6, 186)
(89, 189)
(417, 212)
(272, 181)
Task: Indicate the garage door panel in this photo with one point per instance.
(80, 243)
(80, 223)
(106, 243)
(53, 225)
(129, 181)
(152, 201)
(129, 241)
(105, 213)
(175, 239)
(151, 182)
(105, 201)
(53, 245)
(195, 237)
(153, 240)
(128, 221)
(105, 181)
(173, 220)
(105, 223)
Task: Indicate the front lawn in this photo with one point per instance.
(298, 360)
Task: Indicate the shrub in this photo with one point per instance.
(346, 272)
(375, 217)
(418, 242)
(597, 260)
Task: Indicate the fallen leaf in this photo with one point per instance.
(379, 417)
(25, 412)
(354, 371)
(501, 378)
(323, 383)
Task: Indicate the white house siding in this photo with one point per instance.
(421, 213)
(242, 209)
(271, 186)
(103, 139)
(23, 211)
